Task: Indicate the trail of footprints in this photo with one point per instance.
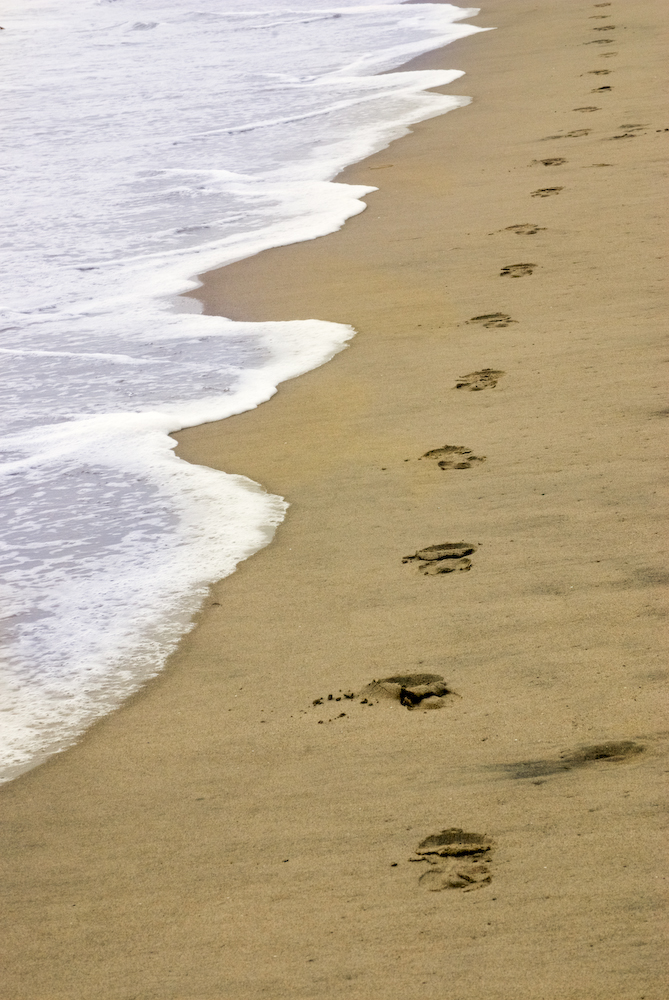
(454, 859)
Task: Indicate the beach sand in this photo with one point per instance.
(221, 836)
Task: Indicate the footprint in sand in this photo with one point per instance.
(614, 752)
(492, 320)
(600, 90)
(452, 456)
(574, 134)
(589, 107)
(599, 72)
(455, 860)
(413, 691)
(631, 132)
(448, 557)
(599, 41)
(517, 270)
(552, 161)
(546, 192)
(605, 27)
(524, 229)
(487, 378)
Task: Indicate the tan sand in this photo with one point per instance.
(213, 839)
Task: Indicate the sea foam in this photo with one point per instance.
(147, 142)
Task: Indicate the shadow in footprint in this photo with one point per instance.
(448, 557)
(487, 378)
(517, 270)
(452, 456)
(614, 752)
(600, 90)
(589, 108)
(456, 860)
(551, 161)
(546, 192)
(524, 229)
(492, 320)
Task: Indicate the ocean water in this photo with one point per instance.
(147, 141)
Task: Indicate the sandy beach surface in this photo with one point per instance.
(222, 837)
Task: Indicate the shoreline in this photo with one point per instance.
(271, 852)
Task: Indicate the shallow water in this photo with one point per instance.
(147, 142)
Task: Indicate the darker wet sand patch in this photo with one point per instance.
(614, 752)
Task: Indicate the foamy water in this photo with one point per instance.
(145, 142)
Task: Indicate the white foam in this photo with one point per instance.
(149, 141)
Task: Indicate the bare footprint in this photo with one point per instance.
(574, 134)
(552, 161)
(413, 691)
(492, 320)
(452, 456)
(614, 752)
(456, 860)
(487, 378)
(448, 557)
(588, 108)
(546, 192)
(524, 229)
(631, 132)
(517, 270)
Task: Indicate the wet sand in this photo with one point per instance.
(221, 836)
